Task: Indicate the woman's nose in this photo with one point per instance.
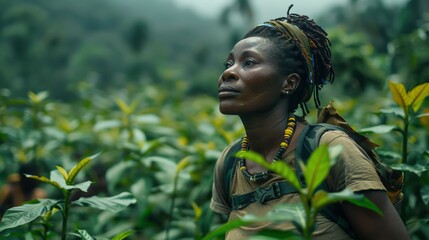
(229, 74)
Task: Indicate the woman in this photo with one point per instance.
(272, 71)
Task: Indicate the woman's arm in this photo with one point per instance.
(367, 224)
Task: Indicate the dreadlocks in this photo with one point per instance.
(308, 56)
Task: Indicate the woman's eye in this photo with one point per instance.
(227, 64)
(248, 63)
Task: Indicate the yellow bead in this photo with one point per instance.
(283, 144)
(242, 168)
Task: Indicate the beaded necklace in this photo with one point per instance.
(260, 176)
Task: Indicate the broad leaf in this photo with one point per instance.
(400, 95)
(123, 235)
(116, 172)
(58, 178)
(226, 228)
(271, 234)
(416, 169)
(396, 111)
(113, 204)
(417, 95)
(29, 236)
(322, 199)
(279, 167)
(107, 124)
(147, 119)
(334, 152)
(380, 129)
(286, 212)
(317, 168)
(423, 115)
(76, 169)
(44, 179)
(424, 192)
(26, 213)
(37, 98)
(84, 235)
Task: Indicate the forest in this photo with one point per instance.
(109, 120)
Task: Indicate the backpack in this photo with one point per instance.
(328, 120)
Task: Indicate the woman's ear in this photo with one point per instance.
(291, 83)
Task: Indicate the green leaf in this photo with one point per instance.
(417, 95)
(271, 234)
(76, 169)
(37, 98)
(182, 164)
(424, 192)
(417, 169)
(147, 119)
(399, 95)
(123, 235)
(395, 111)
(123, 106)
(101, 125)
(423, 115)
(279, 167)
(44, 179)
(29, 236)
(283, 212)
(391, 156)
(26, 213)
(58, 178)
(63, 172)
(113, 204)
(221, 230)
(197, 211)
(317, 168)
(322, 199)
(116, 172)
(287, 212)
(84, 235)
(380, 129)
(334, 152)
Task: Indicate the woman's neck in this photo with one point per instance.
(265, 132)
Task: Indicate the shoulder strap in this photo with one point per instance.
(229, 168)
(307, 143)
(309, 139)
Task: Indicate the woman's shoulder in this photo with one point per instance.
(335, 137)
(226, 151)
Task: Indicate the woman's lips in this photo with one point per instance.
(224, 94)
(227, 92)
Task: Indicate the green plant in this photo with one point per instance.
(65, 182)
(412, 161)
(313, 199)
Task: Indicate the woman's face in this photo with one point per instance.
(251, 82)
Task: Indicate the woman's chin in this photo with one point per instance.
(227, 110)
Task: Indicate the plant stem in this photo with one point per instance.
(170, 214)
(405, 140)
(308, 218)
(65, 214)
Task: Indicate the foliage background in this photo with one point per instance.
(136, 81)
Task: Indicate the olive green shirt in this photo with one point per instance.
(353, 170)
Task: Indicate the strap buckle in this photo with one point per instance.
(263, 195)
